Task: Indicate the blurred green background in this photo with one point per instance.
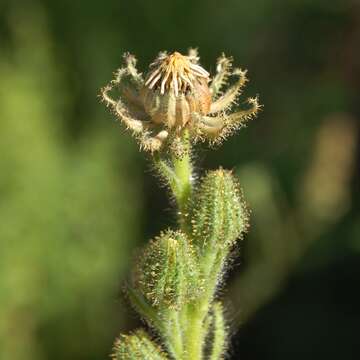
(77, 198)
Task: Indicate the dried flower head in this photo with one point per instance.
(178, 95)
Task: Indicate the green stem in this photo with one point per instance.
(177, 171)
(173, 335)
(219, 341)
(183, 172)
(187, 332)
(195, 331)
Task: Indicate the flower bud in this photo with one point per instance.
(218, 212)
(167, 272)
(136, 346)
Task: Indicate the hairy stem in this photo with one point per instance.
(183, 172)
(178, 173)
(195, 335)
(186, 332)
(196, 330)
(219, 341)
(173, 335)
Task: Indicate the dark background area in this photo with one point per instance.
(77, 198)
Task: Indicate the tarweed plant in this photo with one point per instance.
(175, 279)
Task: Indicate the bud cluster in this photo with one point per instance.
(175, 270)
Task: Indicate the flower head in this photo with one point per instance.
(179, 95)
